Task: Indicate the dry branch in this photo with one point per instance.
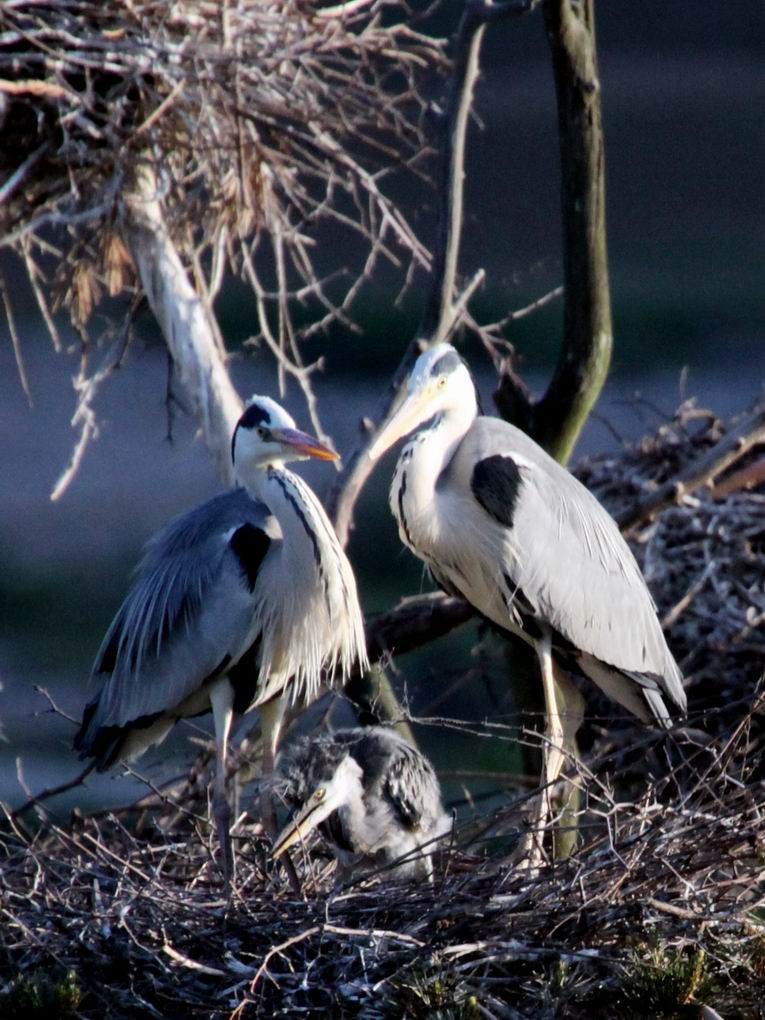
(555, 420)
(439, 313)
(700, 472)
(187, 324)
(259, 123)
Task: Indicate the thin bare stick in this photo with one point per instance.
(35, 275)
(343, 9)
(86, 387)
(438, 313)
(19, 175)
(701, 471)
(15, 340)
(52, 791)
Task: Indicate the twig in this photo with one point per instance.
(15, 340)
(437, 315)
(672, 908)
(275, 951)
(700, 472)
(52, 791)
(20, 174)
(86, 387)
(186, 961)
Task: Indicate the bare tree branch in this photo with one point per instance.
(438, 314)
(86, 386)
(188, 327)
(732, 447)
(414, 622)
(556, 420)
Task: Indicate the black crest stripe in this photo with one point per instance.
(446, 364)
(253, 416)
(402, 515)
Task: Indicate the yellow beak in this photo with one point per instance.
(304, 444)
(414, 410)
(299, 828)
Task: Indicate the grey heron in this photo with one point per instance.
(245, 601)
(373, 797)
(502, 524)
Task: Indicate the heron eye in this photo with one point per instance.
(263, 432)
(441, 382)
(319, 794)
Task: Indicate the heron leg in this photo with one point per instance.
(564, 711)
(569, 795)
(271, 718)
(530, 852)
(222, 701)
(553, 753)
(425, 868)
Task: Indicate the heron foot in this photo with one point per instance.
(222, 816)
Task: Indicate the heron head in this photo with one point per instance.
(329, 790)
(265, 434)
(440, 381)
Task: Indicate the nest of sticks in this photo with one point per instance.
(702, 556)
(657, 913)
(259, 120)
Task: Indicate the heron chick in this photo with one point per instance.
(247, 601)
(372, 796)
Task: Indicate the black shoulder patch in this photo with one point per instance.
(250, 545)
(496, 484)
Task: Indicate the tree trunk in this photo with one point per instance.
(587, 330)
(187, 324)
(557, 419)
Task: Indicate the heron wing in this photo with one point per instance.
(551, 543)
(189, 612)
(409, 782)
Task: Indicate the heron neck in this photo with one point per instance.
(431, 451)
(300, 515)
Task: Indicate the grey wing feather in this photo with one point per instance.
(409, 782)
(189, 582)
(566, 554)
